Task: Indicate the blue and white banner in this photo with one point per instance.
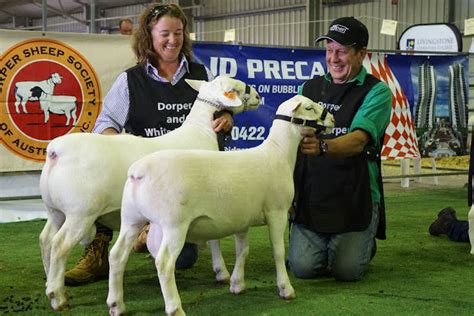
(277, 73)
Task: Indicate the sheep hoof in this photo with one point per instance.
(237, 289)
(115, 310)
(223, 278)
(287, 293)
(177, 312)
(58, 302)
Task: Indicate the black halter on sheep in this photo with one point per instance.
(198, 195)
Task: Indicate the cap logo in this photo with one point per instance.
(339, 28)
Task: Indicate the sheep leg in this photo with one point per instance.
(218, 263)
(54, 222)
(470, 218)
(68, 117)
(173, 241)
(276, 226)
(66, 238)
(23, 105)
(46, 116)
(237, 281)
(118, 260)
(17, 103)
(73, 114)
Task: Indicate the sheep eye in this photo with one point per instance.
(310, 108)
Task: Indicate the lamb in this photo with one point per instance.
(23, 90)
(83, 177)
(201, 195)
(57, 104)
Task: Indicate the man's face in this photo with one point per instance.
(343, 62)
(126, 28)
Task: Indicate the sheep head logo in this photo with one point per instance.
(49, 90)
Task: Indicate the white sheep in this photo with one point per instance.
(83, 177)
(23, 90)
(199, 195)
(57, 104)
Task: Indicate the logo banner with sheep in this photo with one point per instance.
(52, 84)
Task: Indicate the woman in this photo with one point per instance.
(149, 99)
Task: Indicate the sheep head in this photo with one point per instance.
(302, 109)
(56, 78)
(227, 93)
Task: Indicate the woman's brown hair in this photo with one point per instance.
(142, 40)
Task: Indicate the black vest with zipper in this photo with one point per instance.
(159, 107)
(332, 195)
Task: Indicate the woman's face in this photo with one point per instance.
(168, 36)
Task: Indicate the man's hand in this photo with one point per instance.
(224, 123)
(309, 145)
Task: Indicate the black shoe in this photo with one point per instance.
(442, 224)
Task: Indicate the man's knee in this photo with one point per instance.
(302, 270)
(349, 272)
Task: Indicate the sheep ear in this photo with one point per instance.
(195, 84)
(296, 106)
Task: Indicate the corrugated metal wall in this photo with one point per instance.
(264, 22)
(62, 24)
(462, 10)
(297, 22)
(107, 20)
(372, 13)
(287, 22)
(114, 15)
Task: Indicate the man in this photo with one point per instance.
(338, 206)
(447, 223)
(126, 27)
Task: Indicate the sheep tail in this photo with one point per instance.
(52, 155)
(135, 179)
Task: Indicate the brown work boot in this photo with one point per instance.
(140, 244)
(442, 224)
(93, 265)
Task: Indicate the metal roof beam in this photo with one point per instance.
(64, 14)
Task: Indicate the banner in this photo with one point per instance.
(277, 73)
(76, 71)
(433, 37)
(52, 84)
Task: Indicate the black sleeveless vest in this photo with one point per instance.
(332, 195)
(159, 107)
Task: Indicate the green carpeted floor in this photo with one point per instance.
(413, 273)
